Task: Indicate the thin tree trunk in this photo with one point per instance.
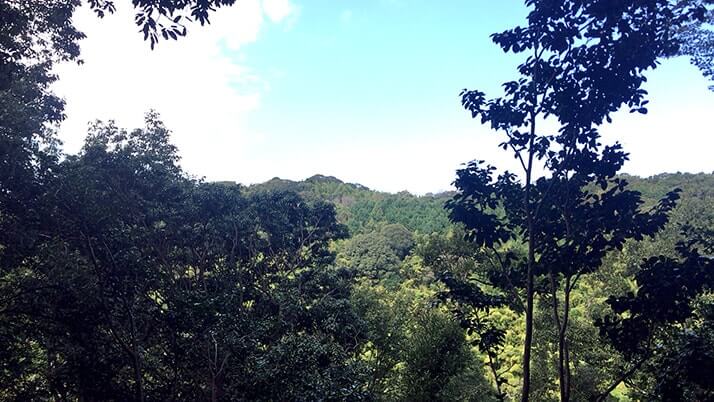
(216, 370)
(567, 370)
(529, 326)
(560, 332)
(562, 327)
(528, 342)
(136, 355)
(214, 389)
(496, 378)
(525, 391)
(564, 340)
(563, 367)
(139, 383)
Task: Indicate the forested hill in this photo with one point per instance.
(361, 208)
(693, 185)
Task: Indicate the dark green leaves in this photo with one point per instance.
(477, 203)
(666, 288)
(169, 19)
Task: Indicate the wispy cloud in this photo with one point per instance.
(202, 90)
(280, 10)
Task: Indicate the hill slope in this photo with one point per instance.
(363, 209)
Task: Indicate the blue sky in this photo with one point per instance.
(378, 67)
(363, 90)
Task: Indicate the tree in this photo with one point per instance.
(387, 317)
(681, 371)
(698, 40)
(371, 256)
(438, 363)
(34, 35)
(151, 286)
(467, 273)
(583, 61)
(100, 231)
(400, 239)
(642, 322)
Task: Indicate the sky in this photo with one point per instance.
(364, 90)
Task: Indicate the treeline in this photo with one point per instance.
(362, 209)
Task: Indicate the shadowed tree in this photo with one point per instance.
(468, 273)
(660, 323)
(582, 61)
(34, 36)
(151, 286)
(697, 39)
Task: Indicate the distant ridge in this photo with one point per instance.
(277, 182)
(363, 209)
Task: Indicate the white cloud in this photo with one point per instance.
(198, 89)
(205, 95)
(278, 10)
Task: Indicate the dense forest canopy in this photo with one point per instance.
(361, 209)
(123, 277)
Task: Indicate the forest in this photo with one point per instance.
(123, 277)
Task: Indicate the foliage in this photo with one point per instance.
(164, 19)
(681, 373)
(583, 60)
(34, 35)
(155, 287)
(400, 239)
(465, 271)
(378, 255)
(364, 210)
(642, 322)
(371, 256)
(697, 39)
(439, 365)
(416, 352)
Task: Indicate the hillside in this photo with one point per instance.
(363, 209)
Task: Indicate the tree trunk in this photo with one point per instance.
(567, 370)
(562, 368)
(528, 342)
(562, 326)
(496, 378)
(214, 389)
(136, 357)
(529, 324)
(563, 338)
(525, 391)
(138, 381)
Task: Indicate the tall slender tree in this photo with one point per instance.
(583, 60)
